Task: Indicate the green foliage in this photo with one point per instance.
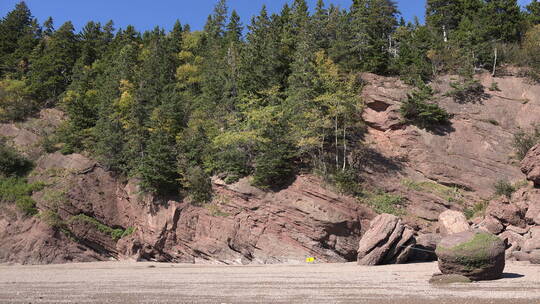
(478, 209)
(346, 182)
(15, 102)
(525, 140)
(198, 185)
(372, 24)
(274, 166)
(449, 194)
(174, 108)
(19, 34)
(27, 205)
(114, 233)
(418, 110)
(52, 62)
(16, 190)
(214, 210)
(129, 231)
(11, 162)
(494, 87)
(467, 91)
(383, 202)
(504, 187)
(52, 219)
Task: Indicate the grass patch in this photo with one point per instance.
(478, 209)
(383, 202)
(17, 190)
(114, 233)
(490, 121)
(51, 218)
(505, 188)
(525, 140)
(214, 210)
(450, 194)
(55, 197)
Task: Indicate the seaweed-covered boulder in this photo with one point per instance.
(478, 256)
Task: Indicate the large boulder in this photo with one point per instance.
(451, 222)
(530, 165)
(478, 256)
(388, 241)
(424, 250)
(503, 210)
(491, 225)
(513, 241)
(533, 242)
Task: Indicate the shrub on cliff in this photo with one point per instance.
(525, 140)
(470, 90)
(15, 102)
(419, 111)
(11, 163)
(198, 185)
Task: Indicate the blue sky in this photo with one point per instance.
(145, 14)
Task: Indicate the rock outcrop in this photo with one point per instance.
(530, 165)
(100, 216)
(442, 169)
(451, 222)
(387, 241)
(477, 256)
(241, 225)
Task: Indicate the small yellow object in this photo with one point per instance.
(310, 260)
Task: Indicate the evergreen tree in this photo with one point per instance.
(533, 12)
(52, 63)
(414, 42)
(443, 16)
(19, 34)
(48, 27)
(175, 38)
(372, 22)
(502, 20)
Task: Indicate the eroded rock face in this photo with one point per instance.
(242, 225)
(530, 165)
(451, 222)
(469, 155)
(503, 210)
(478, 256)
(28, 240)
(387, 241)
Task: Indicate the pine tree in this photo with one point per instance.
(19, 34)
(372, 22)
(52, 63)
(175, 38)
(533, 12)
(92, 43)
(48, 27)
(443, 16)
(502, 20)
(414, 42)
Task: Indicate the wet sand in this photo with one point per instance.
(129, 282)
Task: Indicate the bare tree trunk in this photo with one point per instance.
(336, 137)
(445, 35)
(494, 62)
(344, 147)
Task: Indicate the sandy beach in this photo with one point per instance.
(129, 282)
